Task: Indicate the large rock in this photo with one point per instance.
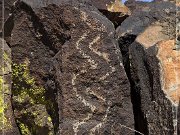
(7, 121)
(146, 44)
(163, 13)
(114, 10)
(67, 69)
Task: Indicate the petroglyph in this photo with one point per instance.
(94, 65)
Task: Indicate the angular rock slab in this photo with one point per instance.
(71, 49)
(7, 121)
(170, 70)
(33, 88)
(162, 12)
(153, 111)
(95, 96)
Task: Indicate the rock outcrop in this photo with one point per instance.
(152, 66)
(68, 76)
(7, 120)
(90, 67)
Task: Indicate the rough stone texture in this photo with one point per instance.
(160, 13)
(34, 88)
(114, 10)
(155, 108)
(153, 111)
(67, 71)
(95, 83)
(68, 55)
(7, 9)
(7, 121)
(170, 70)
(178, 122)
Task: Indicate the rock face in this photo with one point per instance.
(152, 66)
(7, 121)
(72, 73)
(68, 76)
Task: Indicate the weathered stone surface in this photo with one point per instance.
(34, 88)
(146, 76)
(68, 76)
(114, 10)
(68, 55)
(143, 53)
(6, 6)
(170, 70)
(161, 13)
(7, 121)
(95, 83)
(178, 120)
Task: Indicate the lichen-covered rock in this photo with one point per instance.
(33, 87)
(7, 121)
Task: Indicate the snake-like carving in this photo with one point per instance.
(94, 64)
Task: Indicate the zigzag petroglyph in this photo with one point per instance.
(94, 66)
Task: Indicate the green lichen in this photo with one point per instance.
(24, 129)
(2, 107)
(5, 124)
(6, 62)
(24, 85)
(29, 100)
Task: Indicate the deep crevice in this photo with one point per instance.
(151, 79)
(114, 17)
(139, 119)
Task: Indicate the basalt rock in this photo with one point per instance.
(151, 63)
(114, 10)
(163, 13)
(68, 76)
(7, 121)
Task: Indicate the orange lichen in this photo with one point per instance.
(170, 69)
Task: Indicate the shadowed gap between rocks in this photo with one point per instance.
(140, 121)
(114, 17)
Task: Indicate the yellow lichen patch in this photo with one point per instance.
(4, 122)
(2, 118)
(118, 6)
(170, 69)
(26, 91)
(7, 62)
(24, 85)
(24, 129)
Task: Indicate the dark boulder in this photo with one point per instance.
(145, 44)
(67, 69)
